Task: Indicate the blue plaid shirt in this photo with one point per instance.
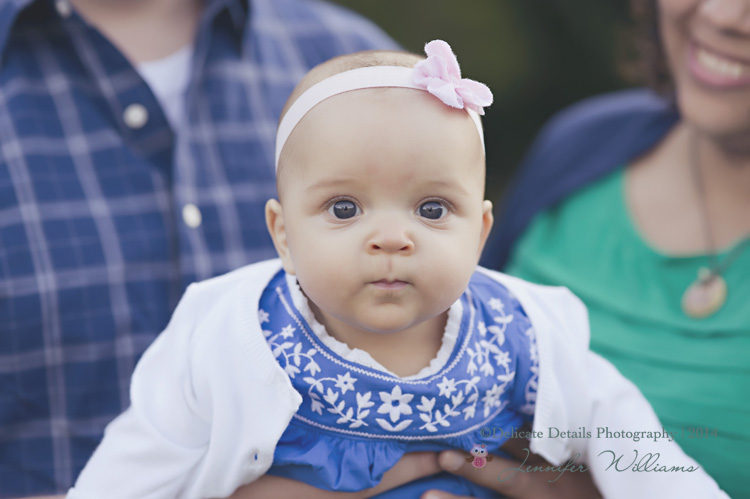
(96, 242)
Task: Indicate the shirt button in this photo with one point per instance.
(63, 8)
(191, 215)
(135, 116)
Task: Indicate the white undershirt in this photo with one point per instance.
(168, 78)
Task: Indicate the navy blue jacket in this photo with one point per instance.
(578, 146)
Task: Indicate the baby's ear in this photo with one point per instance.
(277, 229)
(487, 221)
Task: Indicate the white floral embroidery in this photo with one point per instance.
(395, 403)
(345, 382)
(502, 358)
(262, 316)
(449, 410)
(487, 354)
(488, 369)
(482, 329)
(447, 386)
(426, 404)
(499, 332)
(491, 398)
(533, 355)
(288, 331)
(292, 354)
(496, 304)
(330, 396)
(530, 390)
(399, 427)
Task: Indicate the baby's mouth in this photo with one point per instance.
(390, 284)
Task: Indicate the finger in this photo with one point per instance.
(516, 447)
(441, 494)
(412, 466)
(498, 474)
(276, 487)
(524, 480)
(270, 487)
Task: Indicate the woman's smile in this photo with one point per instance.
(717, 70)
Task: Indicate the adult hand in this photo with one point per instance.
(505, 476)
(411, 467)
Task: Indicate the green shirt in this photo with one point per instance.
(695, 372)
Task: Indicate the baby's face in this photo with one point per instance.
(383, 213)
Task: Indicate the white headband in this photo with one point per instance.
(355, 79)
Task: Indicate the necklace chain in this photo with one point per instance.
(716, 268)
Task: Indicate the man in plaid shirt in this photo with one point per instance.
(115, 194)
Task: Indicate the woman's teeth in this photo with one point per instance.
(721, 66)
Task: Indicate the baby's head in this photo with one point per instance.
(381, 213)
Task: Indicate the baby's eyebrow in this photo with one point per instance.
(436, 184)
(455, 187)
(330, 183)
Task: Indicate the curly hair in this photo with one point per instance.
(652, 63)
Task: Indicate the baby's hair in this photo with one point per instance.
(335, 66)
(348, 62)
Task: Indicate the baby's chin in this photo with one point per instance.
(379, 327)
(396, 324)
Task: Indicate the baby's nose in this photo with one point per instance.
(391, 236)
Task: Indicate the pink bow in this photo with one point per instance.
(440, 75)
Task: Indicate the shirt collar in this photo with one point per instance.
(238, 11)
(9, 11)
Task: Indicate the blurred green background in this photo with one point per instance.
(537, 56)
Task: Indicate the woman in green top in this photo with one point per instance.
(654, 235)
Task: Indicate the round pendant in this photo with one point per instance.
(705, 296)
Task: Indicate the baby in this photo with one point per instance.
(374, 333)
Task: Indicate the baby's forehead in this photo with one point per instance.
(362, 87)
(356, 131)
(359, 181)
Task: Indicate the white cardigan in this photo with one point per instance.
(209, 402)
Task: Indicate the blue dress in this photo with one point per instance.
(356, 421)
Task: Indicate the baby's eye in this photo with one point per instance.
(343, 209)
(432, 210)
